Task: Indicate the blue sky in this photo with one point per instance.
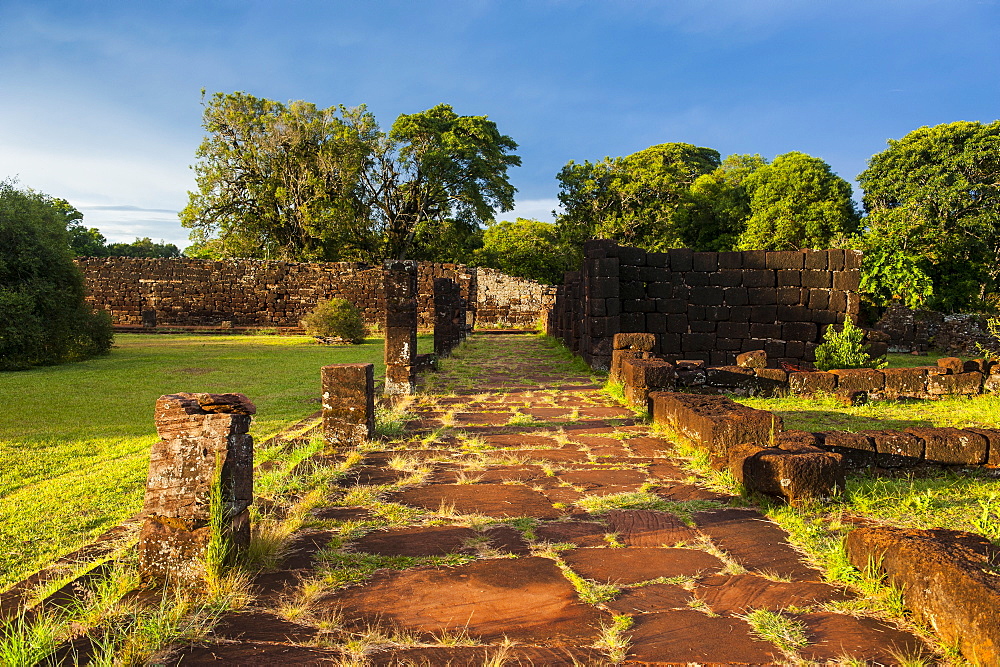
(100, 101)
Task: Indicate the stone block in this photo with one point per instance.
(951, 365)
(736, 296)
(811, 382)
(797, 476)
(774, 374)
(706, 296)
(896, 449)
(400, 379)
(713, 423)
(947, 579)
(650, 374)
(784, 259)
(681, 259)
(348, 393)
(705, 261)
(817, 260)
(857, 449)
(752, 359)
(730, 260)
(967, 384)
(905, 382)
(754, 259)
(726, 278)
(697, 342)
(952, 446)
(642, 342)
(992, 437)
(859, 379)
(758, 278)
(789, 278)
(803, 331)
(817, 279)
(733, 329)
(848, 281)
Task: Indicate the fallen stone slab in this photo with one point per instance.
(527, 600)
(947, 579)
(967, 384)
(811, 382)
(905, 382)
(952, 446)
(857, 449)
(632, 565)
(713, 423)
(807, 474)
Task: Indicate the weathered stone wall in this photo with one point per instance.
(708, 306)
(255, 293)
(918, 330)
(509, 302)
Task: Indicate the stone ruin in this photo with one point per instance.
(348, 394)
(204, 440)
(400, 326)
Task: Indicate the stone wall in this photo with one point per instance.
(256, 293)
(707, 306)
(918, 330)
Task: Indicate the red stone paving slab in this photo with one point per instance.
(739, 593)
(372, 476)
(342, 513)
(646, 528)
(580, 533)
(499, 500)
(666, 471)
(604, 482)
(563, 495)
(422, 541)
(688, 636)
(554, 455)
(520, 440)
(599, 412)
(650, 598)
(303, 548)
(835, 635)
(254, 654)
(462, 656)
(261, 626)
(507, 540)
(592, 426)
(493, 474)
(482, 418)
(646, 446)
(632, 565)
(613, 453)
(526, 599)
(755, 543)
(596, 440)
(546, 413)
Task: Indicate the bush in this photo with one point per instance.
(336, 318)
(842, 347)
(44, 318)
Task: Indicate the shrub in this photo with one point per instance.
(842, 347)
(336, 318)
(44, 318)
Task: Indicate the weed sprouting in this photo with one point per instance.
(786, 633)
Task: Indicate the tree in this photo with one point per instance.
(797, 202)
(297, 182)
(713, 213)
(526, 249)
(143, 247)
(939, 189)
(44, 318)
(634, 199)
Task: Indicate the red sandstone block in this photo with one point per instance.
(857, 449)
(714, 423)
(992, 436)
(752, 359)
(859, 379)
(642, 342)
(348, 403)
(946, 580)
(796, 476)
(905, 382)
(811, 382)
(952, 446)
(648, 373)
(951, 365)
(962, 384)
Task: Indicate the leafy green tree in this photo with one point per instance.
(797, 202)
(527, 249)
(937, 192)
(843, 347)
(143, 247)
(86, 242)
(297, 182)
(634, 199)
(44, 318)
(713, 213)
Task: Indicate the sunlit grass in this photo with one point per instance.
(75, 438)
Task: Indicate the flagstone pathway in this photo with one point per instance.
(524, 518)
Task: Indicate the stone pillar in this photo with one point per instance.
(448, 323)
(348, 403)
(400, 280)
(203, 438)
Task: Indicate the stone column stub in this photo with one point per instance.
(202, 437)
(400, 283)
(348, 403)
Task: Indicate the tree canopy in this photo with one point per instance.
(714, 211)
(292, 181)
(634, 199)
(932, 233)
(797, 202)
(527, 249)
(44, 318)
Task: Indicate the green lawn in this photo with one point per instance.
(75, 438)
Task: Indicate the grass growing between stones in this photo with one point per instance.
(75, 438)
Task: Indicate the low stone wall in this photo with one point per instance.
(255, 293)
(918, 330)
